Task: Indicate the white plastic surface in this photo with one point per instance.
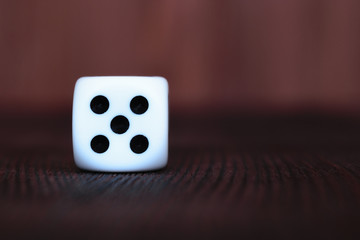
(120, 91)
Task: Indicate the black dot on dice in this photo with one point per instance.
(119, 124)
(139, 144)
(99, 104)
(99, 144)
(139, 105)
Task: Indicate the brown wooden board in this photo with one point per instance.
(270, 177)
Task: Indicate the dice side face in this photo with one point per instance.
(123, 152)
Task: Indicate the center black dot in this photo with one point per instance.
(99, 144)
(139, 144)
(119, 124)
(99, 104)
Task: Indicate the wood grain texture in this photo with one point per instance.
(228, 177)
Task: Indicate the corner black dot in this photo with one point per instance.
(139, 144)
(99, 104)
(139, 105)
(99, 144)
(119, 124)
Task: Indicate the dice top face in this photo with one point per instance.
(120, 124)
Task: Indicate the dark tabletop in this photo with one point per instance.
(228, 176)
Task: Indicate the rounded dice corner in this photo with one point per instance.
(80, 81)
(164, 82)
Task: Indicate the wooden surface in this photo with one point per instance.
(228, 176)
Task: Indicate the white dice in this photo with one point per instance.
(120, 124)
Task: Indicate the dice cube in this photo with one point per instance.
(120, 124)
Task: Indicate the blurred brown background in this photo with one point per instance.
(224, 55)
